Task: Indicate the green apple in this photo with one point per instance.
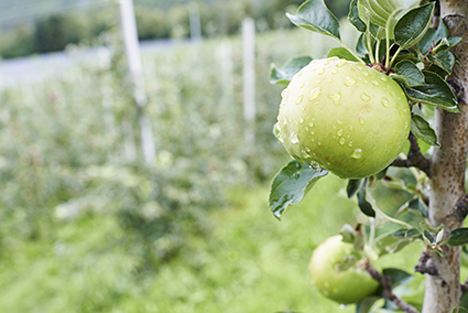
(344, 116)
(344, 285)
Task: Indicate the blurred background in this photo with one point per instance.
(135, 177)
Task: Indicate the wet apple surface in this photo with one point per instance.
(348, 118)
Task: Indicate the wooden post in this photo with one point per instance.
(195, 23)
(248, 36)
(132, 49)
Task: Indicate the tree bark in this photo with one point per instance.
(443, 291)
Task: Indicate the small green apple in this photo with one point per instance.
(348, 285)
(348, 118)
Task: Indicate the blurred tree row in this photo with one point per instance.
(55, 32)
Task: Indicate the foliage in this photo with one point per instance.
(399, 40)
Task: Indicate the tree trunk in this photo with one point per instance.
(448, 170)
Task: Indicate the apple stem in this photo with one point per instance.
(387, 289)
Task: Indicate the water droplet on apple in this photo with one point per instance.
(315, 93)
(342, 141)
(312, 132)
(351, 127)
(299, 74)
(299, 99)
(340, 122)
(365, 74)
(319, 143)
(283, 93)
(336, 97)
(365, 97)
(350, 144)
(334, 72)
(302, 85)
(301, 120)
(361, 121)
(374, 82)
(357, 154)
(340, 63)
(349, 81)
(340, 133)
(311, 124)
(321, 71)
(294, 138)
(384, 79)
(385, 102)
(302, 108)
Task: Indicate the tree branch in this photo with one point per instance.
(464, 286)
(387, 289)
(415, 158)
(425, 266)
(461, 208)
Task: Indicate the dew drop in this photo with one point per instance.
(385, 102)
(311, 124)
(302, 85)
(340, 133)
(374, 82)
(307, 129)
(303, 108)
(312, 132)
(307, 150)
(330, 80)
(340, 63)
(336, 97)
(357, 154)
(342, 141)
(294, 138)
(365, 97)
(349, 81)
(299, 74)
(384, 79)
(361, 121)
(315, 93)
(365, 74)
(350, 144)
(319, 143)
(326, 63)
(340, 122)
(351, 127)
(334, 72)
(299, 99)
(321, 71)
(301, 120)
(283, 93)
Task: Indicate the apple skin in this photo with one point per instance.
(345, 287)
(344, 116)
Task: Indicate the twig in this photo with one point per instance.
(424, 265)
(415, 158)
(387, 289)
(464, 286)
(461, 208)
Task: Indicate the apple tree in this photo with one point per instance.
(396, 100)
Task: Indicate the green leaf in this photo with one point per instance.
(458, 237)
(413, 25)
(342, 53)
(376, 11)
(348, 233)
(417, 206)
(433, 37)
(354, 18)
(452, 41)
(291, 184)
(365, 305)
(353, 187)
(286, 73)
(364, 205)
(397, 276)
(437, 70)
(445, 60)
(434, 92)
(361, 46)
(313, 15)
(421, 129)
(408, 73)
